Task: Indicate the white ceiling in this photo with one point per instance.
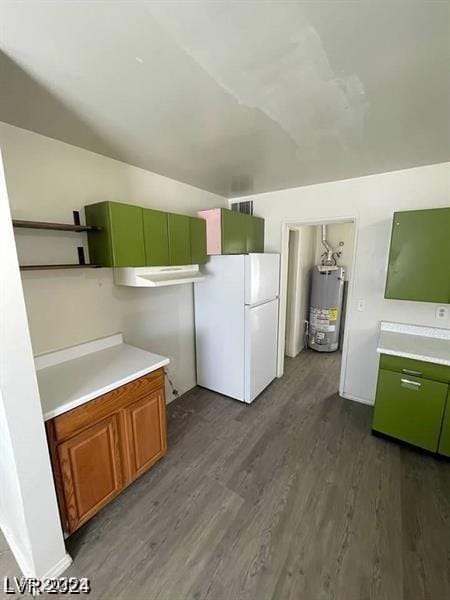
(234, 96)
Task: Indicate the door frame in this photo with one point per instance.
(286, 227)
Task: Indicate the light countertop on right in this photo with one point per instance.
(430, 344)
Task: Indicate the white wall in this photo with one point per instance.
(372, 200)
(302, 249)
(28, 509)
(47, 180)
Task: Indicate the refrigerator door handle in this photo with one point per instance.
(262, 302)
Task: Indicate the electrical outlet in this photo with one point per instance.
(361, 306)
(442, 313)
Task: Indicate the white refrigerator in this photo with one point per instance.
(236, 324)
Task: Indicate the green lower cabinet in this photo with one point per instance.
(255, 234)
(234, 232)
(156, 237)
(444, 442)
(410, 408)
(198, 240)
(121, 241)
(179, 239)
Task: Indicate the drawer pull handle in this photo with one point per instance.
(415, 384)
(410, 372)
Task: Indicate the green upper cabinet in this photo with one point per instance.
(234, 232)
(156, 237)
(121, 241)
(255, 234)
(179, 239)
(419, 258)
(444, 442)
(198, 240)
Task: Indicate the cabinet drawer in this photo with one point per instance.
(85, 415)
(409, 408)
(416, 368)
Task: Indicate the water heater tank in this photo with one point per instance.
(325, 309)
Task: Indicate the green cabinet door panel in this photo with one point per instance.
(409, 408)
(444, 442)
(179, 239)
(234, 232)
(255, 234)
(419, 258)
(156, 237)
(127, 235)
(121, 243)
(198, 240)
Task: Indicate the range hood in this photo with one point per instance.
(157, 276)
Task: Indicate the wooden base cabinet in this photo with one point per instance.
(99, 448)
(146, 432)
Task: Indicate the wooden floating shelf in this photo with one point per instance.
(53, 226)
(53, 267)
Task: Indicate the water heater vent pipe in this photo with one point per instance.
(328, 260)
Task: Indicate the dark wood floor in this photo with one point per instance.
(288, 498)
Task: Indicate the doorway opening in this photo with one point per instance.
(316, 283)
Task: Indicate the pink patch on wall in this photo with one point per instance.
(213, 230)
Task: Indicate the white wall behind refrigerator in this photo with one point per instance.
(236, 323)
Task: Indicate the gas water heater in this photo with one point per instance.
(327, 296)
(325, 309)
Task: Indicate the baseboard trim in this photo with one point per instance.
(356, 399)
(29, 570)
(59, 568)
(24, 566)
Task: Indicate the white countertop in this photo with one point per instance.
(430, 344)
(70, 377)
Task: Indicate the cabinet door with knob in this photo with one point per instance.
(410, 408)
(91, 470)
(146, 425)
(419, 258)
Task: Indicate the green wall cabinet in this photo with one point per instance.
(444, 442)
(255, 234)
(231, 232)
(132, 236)
(419, 258)
(156, 237)
(179, 239)
(121, 241)
(412, 403)
(234, 232)
(198, 240)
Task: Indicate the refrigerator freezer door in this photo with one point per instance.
(262, 274)
(261, 326)
(219, 326)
